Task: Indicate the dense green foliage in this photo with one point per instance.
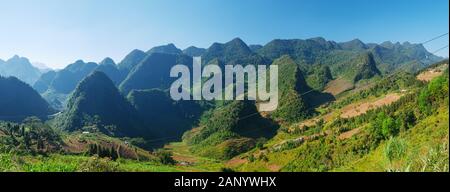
(30, 136)
(302, 51)
(97, 104)
(388, 122)
(102, 152)
(397, 81)
(318, 77)
(343, 58)
(365, 67)
(291, 84)
(230, 130)
(153, 107)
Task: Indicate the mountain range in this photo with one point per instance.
(122, 96)
(340, 106)
(21, 68)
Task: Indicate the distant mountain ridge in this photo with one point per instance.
(168, 49)
(319, 60)
(194, 51)
(21, 68)
(109, 67)
(235, 51)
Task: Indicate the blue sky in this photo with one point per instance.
(58, 32)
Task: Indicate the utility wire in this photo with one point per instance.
(432, 39)
(440, 49)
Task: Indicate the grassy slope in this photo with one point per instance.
(76, 163)
(430, 135)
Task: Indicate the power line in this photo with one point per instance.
(440, 49)
(434, 38)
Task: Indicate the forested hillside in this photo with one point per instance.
(347, 106)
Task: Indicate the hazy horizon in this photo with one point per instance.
(58, 33)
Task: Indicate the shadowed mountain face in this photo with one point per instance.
(21, 68)
(97, 102)
(55, 86)
(366, 67)
(109, 67)
(44, 81)
(161, 116)
(18, 101)
(67, 79)
(292, 105)
(131, 60)
(153, 72)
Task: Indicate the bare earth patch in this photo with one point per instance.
(311, 122)
(274, 168)
(338, 86)
(432, 73)
(184, 158)
(349, 111)
(354, 110)
(349, 134)
(236, 162)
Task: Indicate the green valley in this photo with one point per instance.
(349, 106)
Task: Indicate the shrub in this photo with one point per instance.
(226, 170)
(97, 164)
(165, 157)
(395, 149)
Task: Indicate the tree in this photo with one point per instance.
(113, 153)
(407, 120)
(424, 102)
(389, 127)
(165, 157)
